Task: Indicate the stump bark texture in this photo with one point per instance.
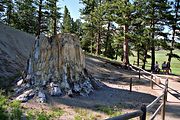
(58, 63)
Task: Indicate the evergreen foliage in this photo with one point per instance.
(25, 19)
(67, 21)
(53, 16)
(113, 28)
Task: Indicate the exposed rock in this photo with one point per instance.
(41, 97)
(26, 95)
(20, 82)
(55, 90)
(22, 98)
(18, 90)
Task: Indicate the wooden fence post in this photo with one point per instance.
(151, 82)
(139, 73)
(130, 84)
(163, 110)
(143, 109)
(166, 84)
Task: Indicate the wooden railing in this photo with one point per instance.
(154, 79)
(127, 116)
(162, 106)
(144, 109)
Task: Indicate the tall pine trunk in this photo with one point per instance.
(138, 52)
(144, 60)
(152, 55)
(152, 42)
(126, 41)
(172, 46)
(9, 12)
(54, 26)
(92, 38)
(54, 19)
(107, 38)
(39, 18)
(125, 46)
(98, 44)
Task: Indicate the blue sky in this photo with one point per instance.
(73, 7)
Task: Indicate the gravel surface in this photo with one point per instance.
(114, 92)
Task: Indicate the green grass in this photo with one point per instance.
(84, 114)
(53, 113)
(111, 111)
(161, 57)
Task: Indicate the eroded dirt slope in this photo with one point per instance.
(15, 47)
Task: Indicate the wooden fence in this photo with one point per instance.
(144, 109)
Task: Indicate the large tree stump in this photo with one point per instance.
(57, 64)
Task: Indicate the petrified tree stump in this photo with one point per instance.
(58, 64)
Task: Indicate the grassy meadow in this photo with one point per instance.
(161, 57)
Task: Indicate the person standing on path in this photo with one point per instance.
(164, 66)
(156, 66)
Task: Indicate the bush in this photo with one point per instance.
(9, 110)
(43, 116)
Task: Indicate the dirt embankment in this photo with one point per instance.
(15, 47)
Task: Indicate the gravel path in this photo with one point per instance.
(114, 92)
(119, 77)
(173, 97)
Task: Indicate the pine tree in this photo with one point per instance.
(76, 27)
(54, 15)
(42, 16)
(140, 32)
(174, 26)
(25, 16)
(88, 37)
(98, 21)
(122, 16)
(67, 21)
(40, 3)
(161, 11)
(150, 19)
(8, 13)
(93, 15)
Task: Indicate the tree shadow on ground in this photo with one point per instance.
(107, 96)
(113, 74)
(173, 110)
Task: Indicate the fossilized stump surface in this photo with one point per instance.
(57, 59)
(58, 65)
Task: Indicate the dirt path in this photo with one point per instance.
(114, 92)
(113, 74)
(173, 98)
